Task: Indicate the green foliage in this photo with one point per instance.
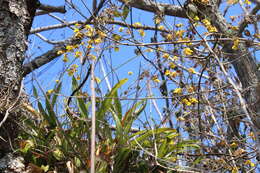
(58, 139)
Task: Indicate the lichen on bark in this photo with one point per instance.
(15, 24)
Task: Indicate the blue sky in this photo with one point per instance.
(45, 77)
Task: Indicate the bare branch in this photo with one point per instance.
(66, 24)
(47, 57)
(152, 6)
(49, 41)
(45, 9)
(46, 28)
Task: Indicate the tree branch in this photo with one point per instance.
(52, 54)
(152, 6)
(62, 25)
(45, 9)
(48, 56)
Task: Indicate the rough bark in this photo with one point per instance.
(16, 17)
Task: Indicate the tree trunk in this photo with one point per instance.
(16, 18)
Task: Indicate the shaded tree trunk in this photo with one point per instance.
(16, 18)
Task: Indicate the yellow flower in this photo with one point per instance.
(190, 89)
(193, 100)
(137, 24)
(235, 44)
(149, 50)
(69, 47)
(179, 25)
(181, 118)
(89, 46)
(173, 74)
(172, 65)
(97, 41)
(234, 170)
(76, 30)
(157, 20)
(169, 36)
(72, 69)
(247, 2)
(92, 57)
(175, 58)
(155, 79)
(65, 58)
(166, 56)
(97, 80)
(102, 34)
(233, 145)
(251, 134)
(60, 52)
(78, 54)
(77, 24)
(206, 22)
(177, 91)
(212, 29)
(78, 78)
(187, 40)
(88, 27)
(74, 66)
(161, 27)
(128, 31)
(196, 18)
(90, 33)
(116, 49)
(79, 35)
(187, 51)
(191, 70)
(167, 72)
(179, 33)
(141, 32)
(159, 49)
(120, 29)
(186, 102)
(249, 162)
(116, 37)
(234, 28)
(50, 91)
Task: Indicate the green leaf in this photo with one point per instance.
(74, 83)
(125, 11)
(120, 160)
(197, 160)
(55, 96)
(43, 112)
(118, 106)
(51, 113)
(119, 129)
(107, 103)
(163, 149)
(144, 134)
(132, 115)
(35, 93)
